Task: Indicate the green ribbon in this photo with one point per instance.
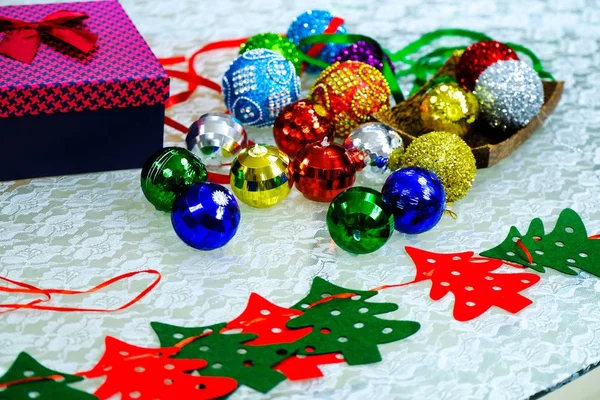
(430, 63)
(351, 39)
(428, 38)
(423, 67)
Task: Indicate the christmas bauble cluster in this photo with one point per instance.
(509, 91)
(204, 215)
(491, 84)
(435, 169)
(263, 80)
(323, 141)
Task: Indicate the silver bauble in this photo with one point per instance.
(375, 142)
(216, 132)
(510, 94)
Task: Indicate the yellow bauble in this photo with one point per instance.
(447, 156)
(448, 107)
(260, 177)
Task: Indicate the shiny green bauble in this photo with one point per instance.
(277, 43)
(359, 220)
(169, 173)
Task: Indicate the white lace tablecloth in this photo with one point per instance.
(76, 231)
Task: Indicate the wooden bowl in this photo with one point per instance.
(488, 145)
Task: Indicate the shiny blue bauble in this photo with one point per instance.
(258, 85)
(206, 217)
(314, 22)
(417, 197)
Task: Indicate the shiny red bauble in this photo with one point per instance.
(477, 58)
(300, 123)
(322, 170)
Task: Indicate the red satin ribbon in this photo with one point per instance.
(316, 48)
(23, 38)
(525, 251)
(26, 288)
(332, 28)
(31, 379)
(194, 81)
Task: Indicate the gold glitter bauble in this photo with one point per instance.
(351, 91)
(395, 159)
(448, 107)
(447, 156)
(260, 176)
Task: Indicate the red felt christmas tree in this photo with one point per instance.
(475, 287)
(149, 373)
(300, 366)
(268, 321)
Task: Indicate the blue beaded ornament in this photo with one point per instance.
(206, 217)
(314, 22)
(417, 197)
(258, 85)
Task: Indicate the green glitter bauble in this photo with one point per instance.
(169, 173)
(359, 220)
(448, 157)
(277, 43)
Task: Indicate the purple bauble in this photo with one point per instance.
(365, 52)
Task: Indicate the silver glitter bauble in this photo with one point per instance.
(510, 94)
(374, 142)
(216, 132)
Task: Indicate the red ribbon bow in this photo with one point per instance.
(23, 38)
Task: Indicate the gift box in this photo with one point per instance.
(80, 90)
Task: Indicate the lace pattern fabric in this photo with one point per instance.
(74, 231)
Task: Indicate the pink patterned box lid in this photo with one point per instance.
(121, 71)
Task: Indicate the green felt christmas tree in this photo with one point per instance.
(347, 324)
(226, 354)
(27, 379)
(566, 247)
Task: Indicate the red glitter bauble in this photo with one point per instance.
(322, 170)
(301, 123)
(477, 58)
(352, 91)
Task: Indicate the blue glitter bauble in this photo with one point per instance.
(417, 197)
(206, 217)
(258, 84)
(314, 22)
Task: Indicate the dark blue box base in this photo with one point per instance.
(79, 142)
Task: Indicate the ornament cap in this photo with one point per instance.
(257, 151)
